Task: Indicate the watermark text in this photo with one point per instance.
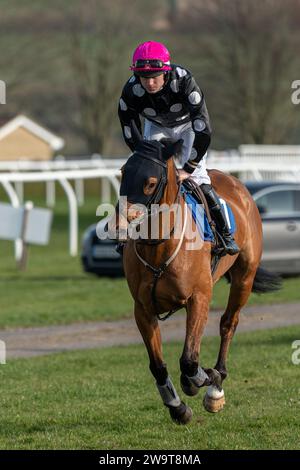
(2, 352)
(160, 221)
(2, 92)
(296, 353)
(295, 97)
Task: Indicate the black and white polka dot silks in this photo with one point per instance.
(180, 101)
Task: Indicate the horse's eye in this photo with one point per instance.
(149, 185)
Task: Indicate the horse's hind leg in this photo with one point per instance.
(149, 329)
(242, 276)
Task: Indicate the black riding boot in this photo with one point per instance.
(219, 218)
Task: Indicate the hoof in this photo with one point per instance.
(181, 414)
(188, 387)
(214, 400)
(215, 378)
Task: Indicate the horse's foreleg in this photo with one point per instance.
(149, 329)
(193, 377)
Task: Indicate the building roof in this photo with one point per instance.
(55, 142)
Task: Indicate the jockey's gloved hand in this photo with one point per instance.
(183, 175)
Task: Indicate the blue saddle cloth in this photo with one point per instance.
(200, 217)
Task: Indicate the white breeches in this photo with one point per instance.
(185, 131)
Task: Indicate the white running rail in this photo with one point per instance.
(61, 164)
(249, 162)
(63, 178)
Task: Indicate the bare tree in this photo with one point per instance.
(248, 49)
(30, 64)
(103, 37)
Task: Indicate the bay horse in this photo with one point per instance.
(182, 277)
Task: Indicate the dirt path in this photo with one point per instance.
(28, 342)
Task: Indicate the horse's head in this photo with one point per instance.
(145, 174)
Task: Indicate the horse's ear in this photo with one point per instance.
(135, 133)
(172, 150)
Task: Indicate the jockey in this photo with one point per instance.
(173, 106)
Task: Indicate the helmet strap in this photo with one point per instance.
(167, 76)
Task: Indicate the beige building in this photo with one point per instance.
(23, 139)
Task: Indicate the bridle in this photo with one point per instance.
(157, 195)
(155, 198)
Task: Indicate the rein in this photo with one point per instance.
(162, 182)
(158, 272)
(150, 214)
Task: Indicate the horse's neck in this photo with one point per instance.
(170, 215)
(171, 188)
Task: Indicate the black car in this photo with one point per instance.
(100, 256)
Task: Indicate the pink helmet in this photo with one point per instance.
(151, 58)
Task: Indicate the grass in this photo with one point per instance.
(106, 399)
(288, 294)
(55, 290)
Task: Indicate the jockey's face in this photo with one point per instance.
(153, 84)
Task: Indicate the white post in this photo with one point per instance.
(105, 190)
(256, 174)
(22, 262)
(9, 189)
(50, 188)
(2, 352)
(105, 185)
(19, 187)
(50, 193)
(73, 216)
(79, 190)
(115, 184)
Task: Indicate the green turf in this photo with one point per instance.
(106, 399)
(55, 290)
(289, 293)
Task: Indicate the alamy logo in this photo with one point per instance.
(296, 353)
(137, 221)
(2, 352)
(296, 94)
(2, 92)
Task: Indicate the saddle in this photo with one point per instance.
(218, 245)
